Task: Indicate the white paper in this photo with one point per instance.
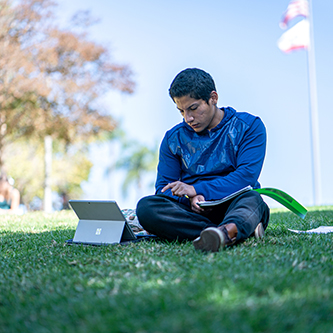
(218, 202)
(319, 230)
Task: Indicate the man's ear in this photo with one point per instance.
(214, 96)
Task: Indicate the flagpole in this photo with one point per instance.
(314, 123)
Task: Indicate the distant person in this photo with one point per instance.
(9, 196)
(64, 200)
(211, 154)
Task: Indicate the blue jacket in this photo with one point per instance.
(216, 162)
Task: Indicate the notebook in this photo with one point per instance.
(218, 202)
(100, 222)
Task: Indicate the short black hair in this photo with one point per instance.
(193, 82)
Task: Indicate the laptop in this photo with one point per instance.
(100, 222)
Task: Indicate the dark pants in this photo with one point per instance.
(171, 220)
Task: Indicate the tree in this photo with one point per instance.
(24, 160)
(51, 78)
(138, 160)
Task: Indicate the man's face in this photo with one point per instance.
(197, 113)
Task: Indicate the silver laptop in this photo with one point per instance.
(100, 222)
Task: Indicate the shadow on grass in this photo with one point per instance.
(258, 286)
(93, 292)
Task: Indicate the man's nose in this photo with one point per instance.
(188, 117)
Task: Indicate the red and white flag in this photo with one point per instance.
(295, 8)
(297, 37)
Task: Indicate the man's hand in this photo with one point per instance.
(194, 203)
(180, 189)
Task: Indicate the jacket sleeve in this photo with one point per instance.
(168, 171)
(250, 156)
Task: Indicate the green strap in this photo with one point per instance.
(284, 199)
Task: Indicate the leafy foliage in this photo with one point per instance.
(70, 168)
(138, 160)
(51, 78)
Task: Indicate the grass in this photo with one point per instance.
(283, 283)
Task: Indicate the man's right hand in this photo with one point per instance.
(180, 189)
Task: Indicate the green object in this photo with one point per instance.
(284, 199)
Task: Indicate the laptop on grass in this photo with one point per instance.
(100, 222)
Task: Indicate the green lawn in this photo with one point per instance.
(283, 283)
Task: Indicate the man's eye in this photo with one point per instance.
(192, 108)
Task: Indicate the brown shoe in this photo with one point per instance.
(259, 231)
(213, 239)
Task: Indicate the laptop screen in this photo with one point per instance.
(97, 210)
(100, 222)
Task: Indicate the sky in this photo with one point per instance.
(236, 42)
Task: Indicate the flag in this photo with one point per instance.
(294, 9)
(297, 37)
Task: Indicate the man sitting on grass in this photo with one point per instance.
(211, 154)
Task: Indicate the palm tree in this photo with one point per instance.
(138, 160)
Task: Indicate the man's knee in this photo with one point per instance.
(252, 204)
(143, 207)
(262, 206)
(147, 210)
(253, 195)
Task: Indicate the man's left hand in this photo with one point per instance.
(194, 203)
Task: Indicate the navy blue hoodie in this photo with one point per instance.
(216, 162)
